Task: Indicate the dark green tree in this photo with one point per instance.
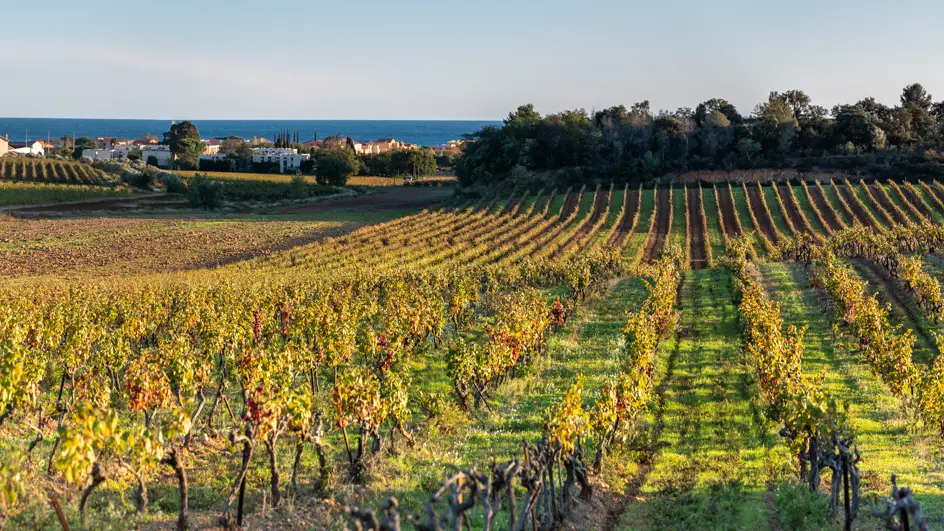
(333, 166)
(184, 142)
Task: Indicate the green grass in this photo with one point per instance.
(262, 186)
(872, 206)
(903, 308)
(770, 196)
(641, 233)
(34, 193)
(803, 201)
(936, 215)
(833, 198)
(714, 228)
(714, 452)
(679, 229)
(744, 213)
(557, 202)
(588, 348)
(884, 435)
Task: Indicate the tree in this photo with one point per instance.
(80, 144)
(184, 142)
(333, 166)
(915, 94)
(854, 124)
(423, 162)
(525, 115)
(707, 108)
(799, 102)
(915, 117)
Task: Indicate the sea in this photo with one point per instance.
(420, 132)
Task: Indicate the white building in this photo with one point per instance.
(28, 148)
(161, 153)
(99, 154)
(4, 146)
(286, 158)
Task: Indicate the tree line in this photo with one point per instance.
(635, 145)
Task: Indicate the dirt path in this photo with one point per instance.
(856, 207)
(629, 215)
(696, 230)
(793, 210)
(663, 224)
(728, 213)
(829, 215)
(886, 204)
(763, 217)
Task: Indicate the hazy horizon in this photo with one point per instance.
(424, 60)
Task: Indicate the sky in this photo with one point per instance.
(473, 60)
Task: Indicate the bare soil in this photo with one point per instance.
(570, 204)
(829, 215)
(512, 204)
(728, 213)
(857, 210)
(696, 230)
(626, 222)
(599, 205)
(793, 210)
(887, 205)
(937, 191)
(663, 222)
(915, 201)
(763, 217)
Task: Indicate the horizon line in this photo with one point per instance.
(258, 119)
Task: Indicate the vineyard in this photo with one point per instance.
(49, 170)
(698, 356)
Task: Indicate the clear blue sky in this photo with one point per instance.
(425, 59)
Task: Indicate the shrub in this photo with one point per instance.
(172, 183)
(141, 180)
(298, 188)
(204, 192)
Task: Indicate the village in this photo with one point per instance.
(259, 150)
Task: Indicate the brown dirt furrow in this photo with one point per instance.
(599, 205)
(663, 222)
(696, 230)
(512, 204)
(886, 204)
(857, 211)
(829, 215)
(793, 210)
(937, 190)
(570, 205)
(763, 217)
(728, 214)
(629, 214)
(915, 201)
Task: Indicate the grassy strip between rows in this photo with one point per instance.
(887, 443)
(35, 193)
(588, 348)
(716, 452)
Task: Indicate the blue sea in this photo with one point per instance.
(421, 132)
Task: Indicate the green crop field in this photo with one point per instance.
(599, 357)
